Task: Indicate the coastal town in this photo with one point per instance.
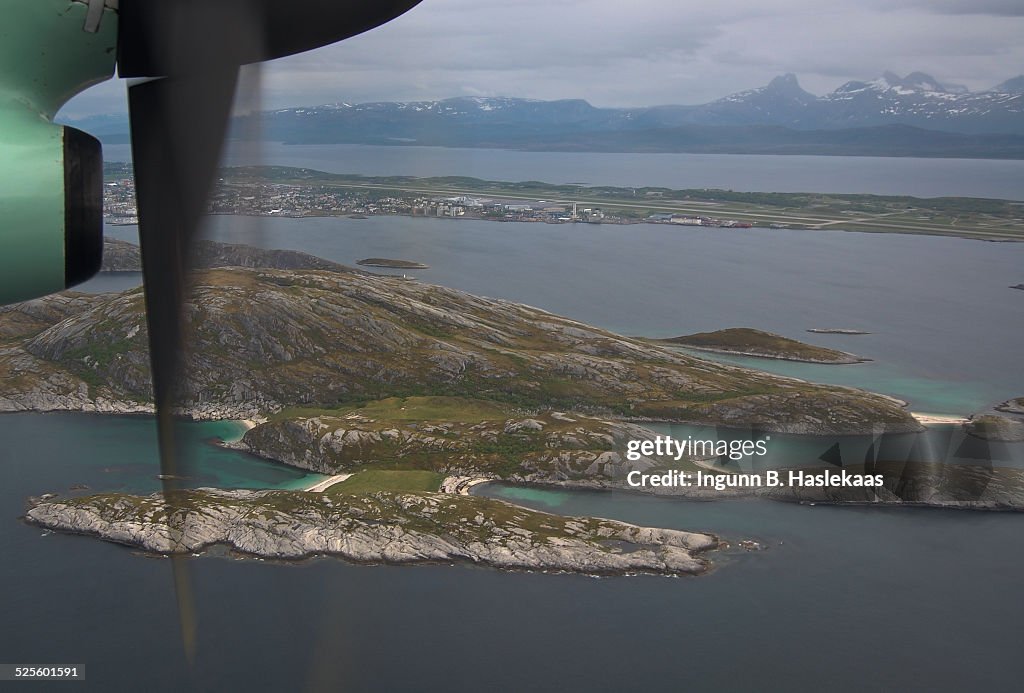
(273, 199)
(280, 191)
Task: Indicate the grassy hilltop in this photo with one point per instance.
(270, 339)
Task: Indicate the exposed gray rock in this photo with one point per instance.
(380, 528)
(121, 256)
(31, 317)
(524, 425)
(548, 449)
(1013, 406)
(996, 428)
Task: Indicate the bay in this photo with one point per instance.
(744, 172)
(117, 453)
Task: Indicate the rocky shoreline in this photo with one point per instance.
(847, 360)
(996, 427)
(1012, 406)
(45, 402)
(398, 528)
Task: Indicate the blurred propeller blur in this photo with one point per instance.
(186, 56)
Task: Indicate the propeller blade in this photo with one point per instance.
(177, 126)
(195, 48)
(192, 36)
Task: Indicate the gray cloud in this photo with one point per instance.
(1006, 8)
(644, 52)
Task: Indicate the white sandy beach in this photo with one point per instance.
(321, 486)
(933, 419)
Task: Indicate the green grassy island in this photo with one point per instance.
(745, 341)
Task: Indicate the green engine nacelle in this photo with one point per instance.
(51, 177)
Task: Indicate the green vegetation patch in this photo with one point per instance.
(376, 480)
(461, 409)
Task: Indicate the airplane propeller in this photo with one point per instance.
(182, 58)
(194, 49)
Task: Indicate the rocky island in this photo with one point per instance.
(835, 330)
(381, 527)
(347, 372)
(392, 264)
(745, 341)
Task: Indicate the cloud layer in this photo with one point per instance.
(642, 53)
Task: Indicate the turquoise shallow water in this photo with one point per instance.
(112, 453)
(923, 394)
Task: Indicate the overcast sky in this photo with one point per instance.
(642, 52)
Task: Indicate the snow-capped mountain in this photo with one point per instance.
(461, 109)
(918, 82)
(781, 102)
(915, 115)
(921, 100)
(1011, 86)
(918, 100)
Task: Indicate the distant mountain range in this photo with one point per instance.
(914, 115)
